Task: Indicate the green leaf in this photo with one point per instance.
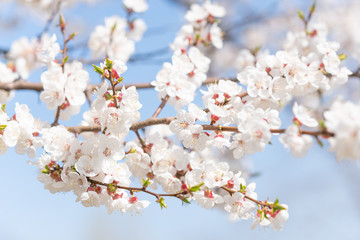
(278, 207)
(312, 8)
(301, 15)
(108, 63)
(2, 127)
(343, 56)
(185, 200)
(322, 124)
(112, 188)
(196, 188)
(319, 142)
(146, 183)
(66, 59)
(162, 203)
(120, 80)
(98, 69)
(242, 188)
(262, 215)
(108, 96)
(73, 35)
(3, 107)
(255, 50)
(45, 171)
(113, 27)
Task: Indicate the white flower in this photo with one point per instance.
(238, 206)
(88, 166)
(169, 183)
(207, 199)
(298, 143)
(136, 5)
(90, 199)
(303, 115)
(137, 29)
(343, 120)
(134, 205)
(216, 36)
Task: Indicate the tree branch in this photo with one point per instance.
(167, 121)
(25, 85)
(162, 105)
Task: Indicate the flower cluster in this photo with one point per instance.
(116, 39)
(27, 54)
(343, 119)
(308, 64)
(180, 79)
(99, 161)
(226, 105)
(197, 175)
(22, 131)
(69, 163)
(64, 87)
(298, 143)
(7, 75)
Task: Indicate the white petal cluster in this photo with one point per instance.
(22, 131)
(114, 120)
(116, 38)
(7, 75)
(226, 106)
(136, 5)
(309, 63)
(70, 163)
(275, 220)
(298, 143)
(180, 79)
(176, 170)
(28, 54)
(303, 115)
(65, 88)
(343, 119)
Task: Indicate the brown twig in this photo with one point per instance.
(263, 204)
(162, 105)
(167, 121)
(135, 189)
(140, 139)
(25, 85)
(134, 127)
(62, 25)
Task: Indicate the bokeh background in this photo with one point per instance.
(323, 195)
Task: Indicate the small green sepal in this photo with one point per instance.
(98, 69)
(196, 188)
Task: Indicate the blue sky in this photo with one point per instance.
(322, 194)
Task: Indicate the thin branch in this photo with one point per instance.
(135, 189)
(263, 204)
(3, 51)
(140, 139)
(162, 105)
(51, 19)
(134, 127)
(167, 121)
(57, 116)
(25, 85)
(356, 73)
(62, 25)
